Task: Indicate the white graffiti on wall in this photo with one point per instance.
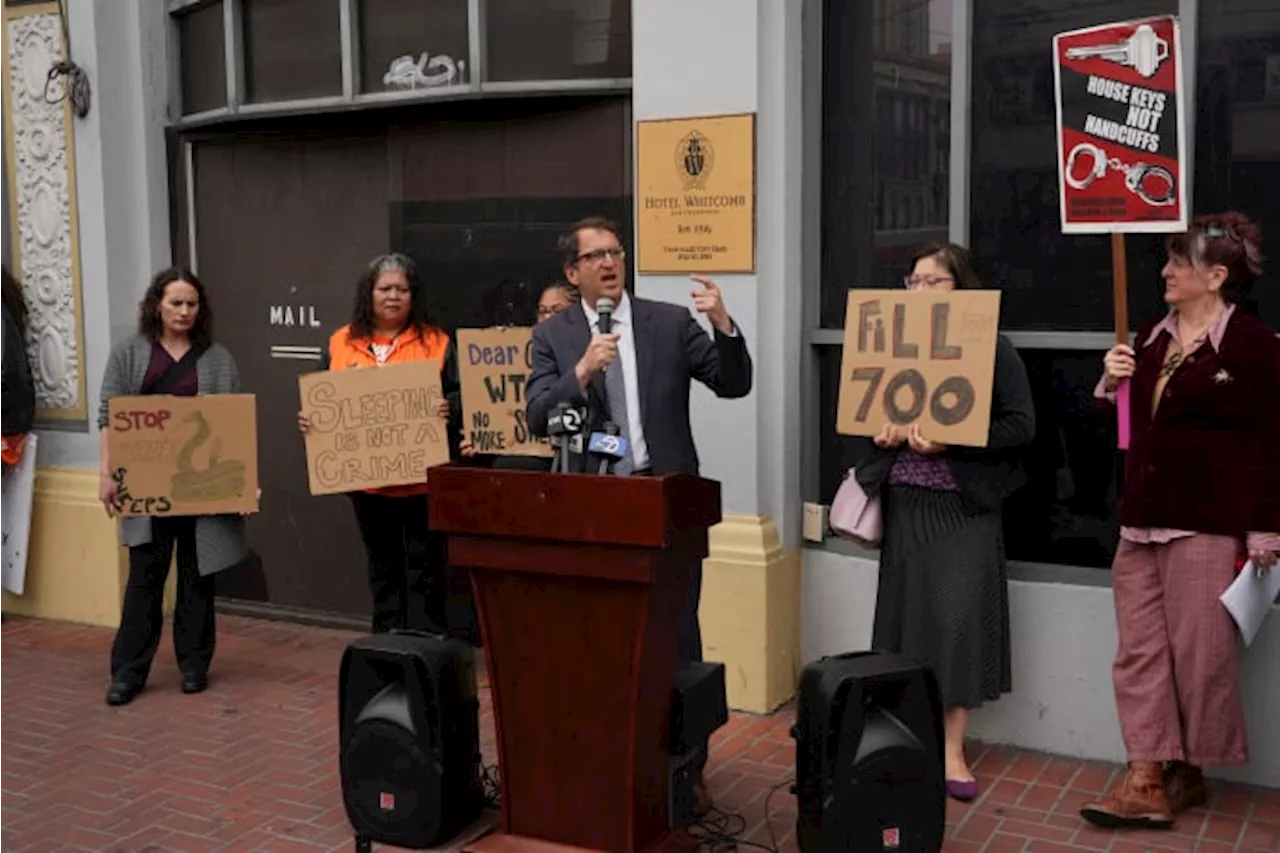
(428, 71)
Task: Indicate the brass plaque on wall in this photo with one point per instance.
(696, 195)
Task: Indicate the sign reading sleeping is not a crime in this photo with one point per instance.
(373, 427)
(923, 356)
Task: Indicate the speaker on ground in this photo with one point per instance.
(410, 739)
(869, 756)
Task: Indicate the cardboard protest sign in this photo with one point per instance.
(1121, 128)
(373, 427)
(184, 455)
(919, 356)
(18, 492)
(494, 366)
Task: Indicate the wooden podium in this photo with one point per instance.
(580, 584)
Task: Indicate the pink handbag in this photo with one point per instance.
(854, 515)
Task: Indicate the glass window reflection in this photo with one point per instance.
(887, 67)
(557, 39)
(1050, 280)
(1238, 126)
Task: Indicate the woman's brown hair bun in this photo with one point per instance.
(1229, 239)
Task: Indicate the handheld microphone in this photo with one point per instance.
(604, 309)
(609, 445)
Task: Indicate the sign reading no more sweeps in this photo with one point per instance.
(373, 427)
(494, 375)
(924, 357)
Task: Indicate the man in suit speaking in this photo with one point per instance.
(637, 375)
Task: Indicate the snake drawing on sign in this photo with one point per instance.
(219, 481)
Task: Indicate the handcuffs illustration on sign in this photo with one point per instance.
(1135, 176)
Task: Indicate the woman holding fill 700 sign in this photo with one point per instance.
(943, 593)
(390, 325)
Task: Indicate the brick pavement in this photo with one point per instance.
(251, 765)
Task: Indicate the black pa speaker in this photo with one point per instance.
(869, 756)
(410, 739)
(699, 706)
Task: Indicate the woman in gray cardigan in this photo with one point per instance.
(172, 354)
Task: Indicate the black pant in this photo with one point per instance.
(690, 649)
(142, 619)
(406, 562)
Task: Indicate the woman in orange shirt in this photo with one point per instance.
(390, 325)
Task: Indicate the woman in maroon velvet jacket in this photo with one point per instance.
(1202, 483)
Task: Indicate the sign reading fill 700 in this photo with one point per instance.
(919, 357)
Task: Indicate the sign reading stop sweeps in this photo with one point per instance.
(920, 356)
(1121, 128)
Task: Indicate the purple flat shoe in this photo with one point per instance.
(965, 792)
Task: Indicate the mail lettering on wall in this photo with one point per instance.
(1121, 130)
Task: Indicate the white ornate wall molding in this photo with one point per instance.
(44, 248)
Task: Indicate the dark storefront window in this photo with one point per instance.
(202, 46)
(292, 50)
(1050, 280)
(529, 40)
(886, 145)
(408, 44)
(881, 200)
(886, 155)
(1238, 126)
(1067, 512)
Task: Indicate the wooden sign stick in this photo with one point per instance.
(1120, 300)
(1120, 287)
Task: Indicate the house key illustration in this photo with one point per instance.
(1136, 176)
(1144, 51)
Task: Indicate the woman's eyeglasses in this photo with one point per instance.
(915, 282)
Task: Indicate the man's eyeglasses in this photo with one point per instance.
(597, 256)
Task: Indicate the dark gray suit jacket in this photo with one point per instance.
(671, 350)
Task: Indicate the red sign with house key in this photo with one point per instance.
(1121, 131)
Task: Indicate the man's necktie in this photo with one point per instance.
(615, 389)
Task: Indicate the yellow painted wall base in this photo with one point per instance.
(750, 612)
(76, 567)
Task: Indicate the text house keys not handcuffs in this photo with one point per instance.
(1135, 176)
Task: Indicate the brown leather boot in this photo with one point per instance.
(1137, 802)
(1184, 787)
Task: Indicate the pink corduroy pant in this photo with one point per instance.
(1175, 680)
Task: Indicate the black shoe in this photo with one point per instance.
(122, 692)
(194, 682)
